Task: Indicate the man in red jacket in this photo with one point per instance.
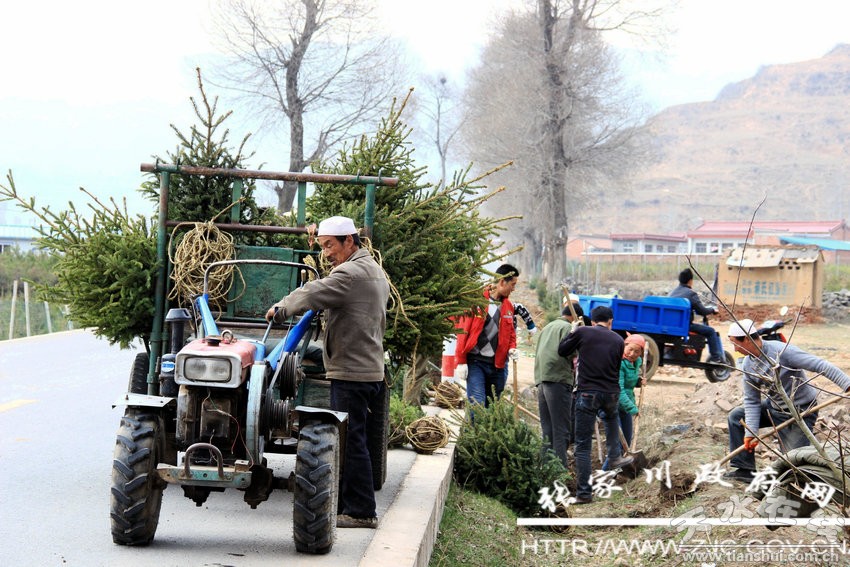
(489, 337)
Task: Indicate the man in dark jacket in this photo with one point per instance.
(685, 290)
(600, 351)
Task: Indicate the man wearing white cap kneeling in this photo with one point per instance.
(760, 360)
(354, 296)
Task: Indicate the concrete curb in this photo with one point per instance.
(408, 530)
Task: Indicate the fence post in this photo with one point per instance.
(27, 305)
(12, 314)
(47, 316)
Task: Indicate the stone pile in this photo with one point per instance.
(836, 305)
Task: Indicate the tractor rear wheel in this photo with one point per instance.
(139, 374)
(377, 438)
(136, 488)
(316, 488)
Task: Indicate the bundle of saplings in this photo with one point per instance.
(500, 456)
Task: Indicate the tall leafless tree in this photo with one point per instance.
(548, 95)
(316, 67)
(438, 106)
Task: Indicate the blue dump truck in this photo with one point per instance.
(664, 322)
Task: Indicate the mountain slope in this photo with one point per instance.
(783, 134)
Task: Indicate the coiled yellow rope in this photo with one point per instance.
(197, 249)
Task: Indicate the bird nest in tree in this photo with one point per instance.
(427, 434)
(448, 395)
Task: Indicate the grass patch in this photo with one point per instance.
(476, 530)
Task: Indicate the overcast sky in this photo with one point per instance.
(89, 88)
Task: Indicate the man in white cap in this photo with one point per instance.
(354, 296)
(761, 357)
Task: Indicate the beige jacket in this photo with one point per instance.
(354, 296)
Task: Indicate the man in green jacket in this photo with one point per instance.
(354, 296)
(554, 377)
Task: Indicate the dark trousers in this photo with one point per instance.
(555, 403)
(626, 426)
(588, 404)
(715, 345)
(357, 492)
(790, 438)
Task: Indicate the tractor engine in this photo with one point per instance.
(211, 401)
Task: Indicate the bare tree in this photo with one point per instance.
(549, 96)
(316, 67)
(438, 107)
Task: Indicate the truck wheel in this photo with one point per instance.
(653, 356)
(316, 488)
(377, 438)
(139, 374)
(136, 488)
(721, 373)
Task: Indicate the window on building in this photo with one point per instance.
(714, 248)
(647, 248)
(727, 246)
(700, 247)
(671, 248)
(629, 246)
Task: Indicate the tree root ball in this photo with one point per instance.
(448, 395)
(427, 434)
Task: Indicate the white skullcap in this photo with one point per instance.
(742, 328)
(336, 226)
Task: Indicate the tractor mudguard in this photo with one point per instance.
(142, 401)
(322, 414)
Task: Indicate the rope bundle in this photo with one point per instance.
(448, 395)
(197, 249)
(427, 434)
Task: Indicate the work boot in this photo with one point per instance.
(620, 462)
(346, 521)
(740, 475)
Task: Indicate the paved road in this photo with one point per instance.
(57, 433)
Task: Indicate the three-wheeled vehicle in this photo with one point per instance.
(220, 388)
(665, 324)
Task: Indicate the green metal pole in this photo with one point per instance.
(236, 210)
(159, 293)
(369, 221)
(301, 214)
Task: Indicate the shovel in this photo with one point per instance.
(638, 455)
(638, 464)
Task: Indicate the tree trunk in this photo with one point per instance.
(415, 379)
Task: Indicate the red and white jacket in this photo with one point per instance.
(472, 325)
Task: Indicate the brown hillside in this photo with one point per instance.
(784, 134)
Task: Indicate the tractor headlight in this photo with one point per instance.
(194, 368)
(198, 369)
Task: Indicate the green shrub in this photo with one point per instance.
(402, 414)
(500, 456)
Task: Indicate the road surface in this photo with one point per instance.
(57, 434)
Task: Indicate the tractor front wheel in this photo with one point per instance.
(316, 488)
(136, 488)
